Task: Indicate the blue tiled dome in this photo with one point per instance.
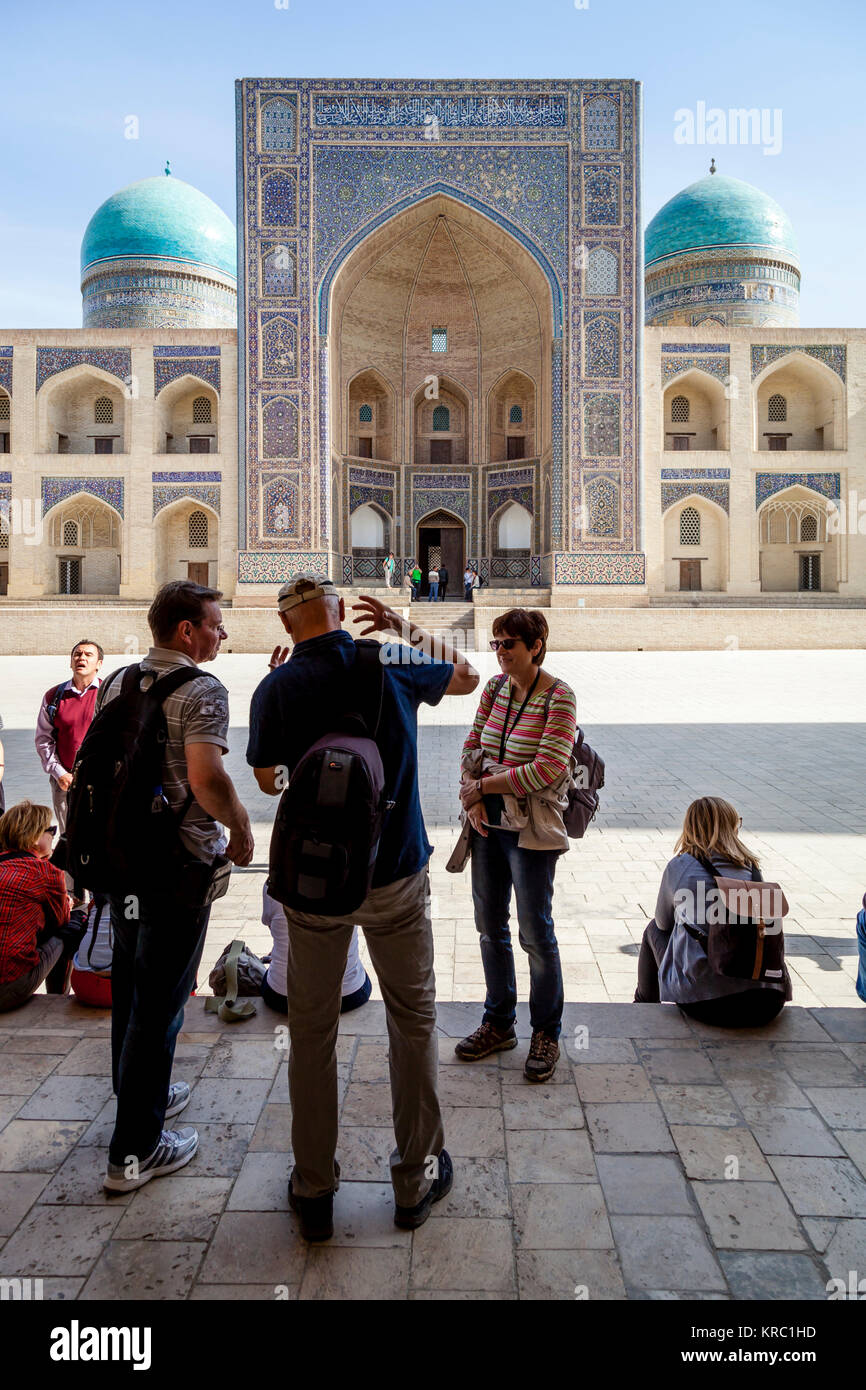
(719, 211)
(161, 218)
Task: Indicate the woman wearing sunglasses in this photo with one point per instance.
(33, 907)
(515, 778)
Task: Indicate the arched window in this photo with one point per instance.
(197, 527)
(690, 526)
(514, 531)
(365, 415)
(70, 533)
(680, 410)
(777, 408)
(809, 527)
(103, 411)
(367, 528)
(201, 410)
(441, 417)
(515, 415)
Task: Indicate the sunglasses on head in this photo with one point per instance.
(506, 643)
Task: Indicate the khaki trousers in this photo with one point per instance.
(398, 929)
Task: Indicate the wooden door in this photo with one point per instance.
(196, 572)
(515, 446)
(451, 544)
(4, 579)
(690, 575)
(440, 451)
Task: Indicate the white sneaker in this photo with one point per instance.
(175, 1149)
(178, 1098)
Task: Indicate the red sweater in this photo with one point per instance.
(32, 897)
(71, 722)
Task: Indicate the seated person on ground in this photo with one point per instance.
(673, 967)
(861, 943)
(33, 907)
(357, 986)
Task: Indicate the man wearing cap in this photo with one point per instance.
(296, 704)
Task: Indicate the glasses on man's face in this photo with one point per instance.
(506, 643)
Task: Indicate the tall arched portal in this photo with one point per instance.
(446, 322)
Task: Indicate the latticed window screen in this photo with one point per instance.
(4, 533)
(197, 530)
(441, 417)
(602, 271)
(439, 340)
(515, 415)
(680, 410)
(4, 407)
(809, 528)
(690, 526)
(777, 408)
(103, 411)
(201, 410)
(70, 533)
(365, 415)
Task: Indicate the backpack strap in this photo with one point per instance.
(371, 688)
(52, 703)
(549, 696)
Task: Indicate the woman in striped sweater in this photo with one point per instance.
(519, 747)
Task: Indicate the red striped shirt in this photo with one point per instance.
(537, 750)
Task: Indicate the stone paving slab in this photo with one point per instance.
(616, 1182)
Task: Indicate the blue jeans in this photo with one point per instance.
(434, 591)
(153, 970)
(498, 864)
(861, 942)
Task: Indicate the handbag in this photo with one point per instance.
(748, 944)
(237, 972)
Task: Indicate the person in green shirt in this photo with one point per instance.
(415, 574)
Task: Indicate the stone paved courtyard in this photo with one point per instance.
(666, 1160)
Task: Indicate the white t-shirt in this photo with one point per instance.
(274, 919)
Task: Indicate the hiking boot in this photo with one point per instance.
(410, 1218)
(175, 1149)
(543, 1057)
(315, 1214)
(178, 1098)
(484, 1041)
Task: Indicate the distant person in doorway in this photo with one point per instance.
(416, 580)
(443, 582)
(433, 583)
(389, 565)
(468, 577)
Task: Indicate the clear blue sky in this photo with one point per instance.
(73, 72)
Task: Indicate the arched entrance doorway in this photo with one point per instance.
(441, 540)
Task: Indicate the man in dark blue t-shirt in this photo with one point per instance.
(302, 699)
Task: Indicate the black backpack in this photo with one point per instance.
(583, 798)
(330, 817)
(121, 834)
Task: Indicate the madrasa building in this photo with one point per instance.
(439, 331)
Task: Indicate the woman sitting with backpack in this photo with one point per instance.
(693, 927)
(516, 771)
(34, 906)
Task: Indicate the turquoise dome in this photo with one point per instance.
(718, 211)
(161, 218)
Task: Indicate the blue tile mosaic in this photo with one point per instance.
(279, 351)
(50, 361)
(278, 118)
(203, 477)
(601, 333)
(276, 566)
(164, 495)
(686, 473)
(602, 507)
(280, 507)
(108, 490)
(498, 496)
(171, 363)
(832, 355)
(6, 369)
(768, 484)
(713, 364)
(713, 490)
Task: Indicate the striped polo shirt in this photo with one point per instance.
(536, 752)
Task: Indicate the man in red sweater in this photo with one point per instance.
(64, 719)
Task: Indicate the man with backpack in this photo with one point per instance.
(338, 720)
(64, 718)
(147, 808)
